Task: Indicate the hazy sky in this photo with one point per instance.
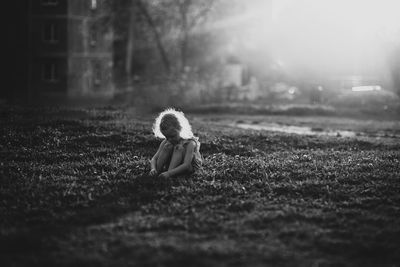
(327, 35)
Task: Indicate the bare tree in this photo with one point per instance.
(172, 22)
(153, 27)
(166, 25)
(191, 14)
(130, 44)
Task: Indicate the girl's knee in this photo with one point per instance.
(168, 147)
(179, 148)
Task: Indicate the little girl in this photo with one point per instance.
(179, 152)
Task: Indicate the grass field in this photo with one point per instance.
(74, 191)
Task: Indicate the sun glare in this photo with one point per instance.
(325, 34)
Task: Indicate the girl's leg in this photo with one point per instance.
(177, 157)
(164, 157)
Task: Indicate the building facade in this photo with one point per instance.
(64, 49)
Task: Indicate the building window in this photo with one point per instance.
(96, 73)
(49, 2)
(50, 33)
(49, 72)
(93, 4)
(93, 35)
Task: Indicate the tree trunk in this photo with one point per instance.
(184, 46)
(130, 46)
(183, 10)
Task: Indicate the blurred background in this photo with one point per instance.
(342, 54)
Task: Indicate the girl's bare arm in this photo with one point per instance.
(153, 160)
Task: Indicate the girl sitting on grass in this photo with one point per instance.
(179, 152)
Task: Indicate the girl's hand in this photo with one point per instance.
(153, 172)
(164, 175)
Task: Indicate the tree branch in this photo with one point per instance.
(157, 36)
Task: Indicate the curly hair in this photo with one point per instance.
(172, 118)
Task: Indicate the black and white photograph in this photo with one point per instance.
(206, 133)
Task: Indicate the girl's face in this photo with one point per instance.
(171, 134)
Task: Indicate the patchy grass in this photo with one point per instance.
(73, 191)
